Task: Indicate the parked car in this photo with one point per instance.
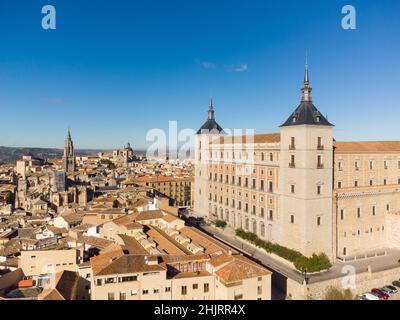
(380, 294)
(396, 284)
(368, 296)
(390, 289)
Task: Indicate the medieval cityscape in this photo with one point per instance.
(288, 215)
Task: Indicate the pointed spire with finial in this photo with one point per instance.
(69, 134)
(306, 90)
(211, 110)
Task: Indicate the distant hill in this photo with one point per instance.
(11, 154)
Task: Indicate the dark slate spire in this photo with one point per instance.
(306, 112)
(306, 90)
(211, 111)
(210, 126)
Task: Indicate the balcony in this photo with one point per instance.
(320, 147)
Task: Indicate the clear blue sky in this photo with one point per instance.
(112, 70)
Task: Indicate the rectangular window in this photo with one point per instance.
(358, 212)
(292, 143)
(373, 210)
(318, 221)
(318, 189)
(291, 218)
(259, 290)
(195, 286)
(167, 289)
(341, 214)
(183, 290)
(206, 287)
(122, 296)
(145, 291)
(292, 188)
(292, 163)
(111, 296)
(339, 185)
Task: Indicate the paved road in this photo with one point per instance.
(389, 261)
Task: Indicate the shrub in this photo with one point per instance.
(220, 224)
(315, 263)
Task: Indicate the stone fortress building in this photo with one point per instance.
(300, 187)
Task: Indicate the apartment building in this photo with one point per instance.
(192, 277)
(300, 187)
(35, 263)
(176, 188)
(161, 258)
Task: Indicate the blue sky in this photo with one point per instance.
(112, 70)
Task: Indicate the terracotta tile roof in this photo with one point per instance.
(128, 221)
(367, 146)
(130, 264)
(163, 179)
(65, 289)
(211, 245)
(240, 268)
(148, 215)
(169, 218)
(172, 241)
(257, 138)
(103, 260)
(97, 242)
(132, 245)
(182, 275)
(164, 243)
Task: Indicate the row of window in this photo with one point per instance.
(245, 184)
(263, 156)
(371, 183)
(134, 292)
(369, 231)
(357, 165)
(253, 212)
(373, 211)
(319, 164)
(292, 145)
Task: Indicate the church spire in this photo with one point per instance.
(211, 110)
(306, 90)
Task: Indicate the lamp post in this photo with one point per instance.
(305, 276)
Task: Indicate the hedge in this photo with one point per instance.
(315, 263)
(220, 224)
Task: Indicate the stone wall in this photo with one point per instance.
(364, 282)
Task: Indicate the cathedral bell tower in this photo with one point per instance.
(69, 164)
